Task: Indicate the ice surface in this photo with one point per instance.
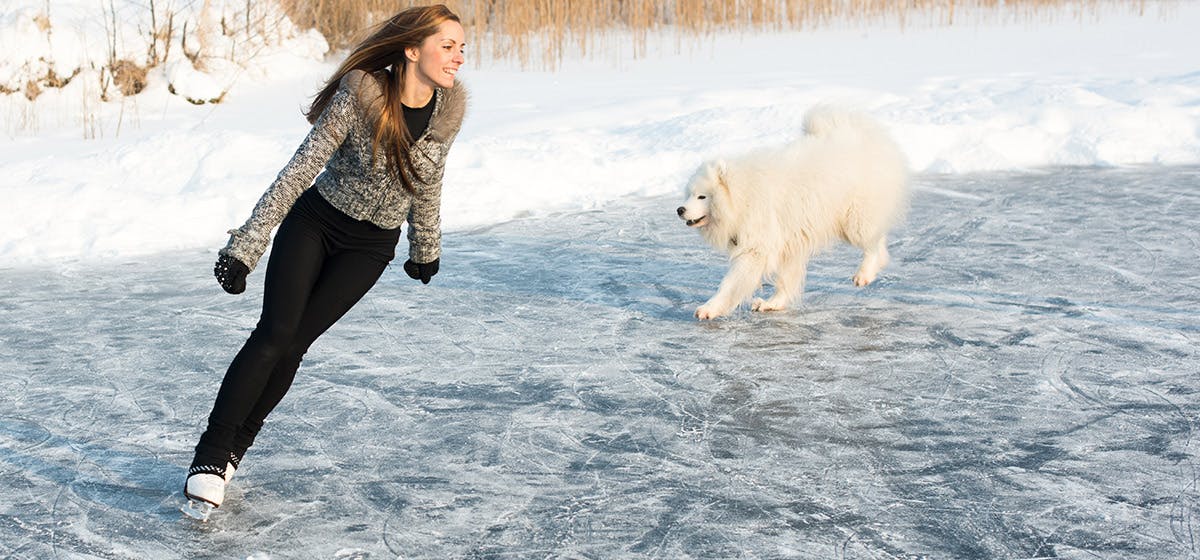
(1021, 382)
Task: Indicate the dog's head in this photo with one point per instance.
(704, 191)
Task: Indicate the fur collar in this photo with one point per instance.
(449, 112)
(450, 104)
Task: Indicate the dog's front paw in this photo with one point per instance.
(862, 279)
(707, 312)
(761, 304)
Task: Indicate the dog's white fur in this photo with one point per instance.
(773, 209)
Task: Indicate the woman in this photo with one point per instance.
(382, 127)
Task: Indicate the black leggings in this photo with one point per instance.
(322, 262)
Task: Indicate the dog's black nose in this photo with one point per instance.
(680, 210)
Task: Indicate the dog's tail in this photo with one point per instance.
(824, 120)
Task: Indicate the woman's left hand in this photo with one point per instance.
(421, 271)
(231, 274)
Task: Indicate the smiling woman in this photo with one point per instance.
(382, 127)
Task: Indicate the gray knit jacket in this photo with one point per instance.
(361, 186)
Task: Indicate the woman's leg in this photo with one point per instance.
(297, 259)
(344, 279)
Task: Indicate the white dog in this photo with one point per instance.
(772, 210)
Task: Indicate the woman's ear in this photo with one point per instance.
(412, 53)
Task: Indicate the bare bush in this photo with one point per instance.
(161, 34)
(129, 77)
(32, 90)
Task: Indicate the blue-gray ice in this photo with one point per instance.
(1021, 382)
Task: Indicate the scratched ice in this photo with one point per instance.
(1022, 382)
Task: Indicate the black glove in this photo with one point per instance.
(422, 272)
(231, 274)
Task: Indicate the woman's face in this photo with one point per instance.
(440, 55)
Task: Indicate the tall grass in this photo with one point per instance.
(508, 29)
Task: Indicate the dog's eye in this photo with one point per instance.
(702, 197)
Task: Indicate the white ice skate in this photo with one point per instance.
(205, 490)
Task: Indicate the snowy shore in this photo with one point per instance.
(1117, 90)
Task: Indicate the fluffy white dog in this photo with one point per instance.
(773, 209)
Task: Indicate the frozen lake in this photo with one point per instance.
(1022, 382)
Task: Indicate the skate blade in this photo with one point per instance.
(197, 510)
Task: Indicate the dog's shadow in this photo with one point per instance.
(584, 260)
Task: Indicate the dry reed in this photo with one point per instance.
(509, 29)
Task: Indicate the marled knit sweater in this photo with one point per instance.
(361, 186)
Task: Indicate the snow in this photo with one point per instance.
(160, 174)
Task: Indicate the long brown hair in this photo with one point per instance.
(383, 50)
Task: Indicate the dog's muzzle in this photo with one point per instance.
(681, 210)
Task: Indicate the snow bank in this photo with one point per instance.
(163, 174)
(62, 58)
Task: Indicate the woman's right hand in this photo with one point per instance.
(231, 274)
(421, 271)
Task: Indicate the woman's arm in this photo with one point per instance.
(249, 242)
(424, 215)
(425, 223)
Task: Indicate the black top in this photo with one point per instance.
(418, 119)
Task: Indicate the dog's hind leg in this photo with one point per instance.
(743, 278)
(789, 285)
(875, 257)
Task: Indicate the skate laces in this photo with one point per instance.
(207, 469)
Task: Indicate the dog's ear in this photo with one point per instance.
(721, 174)
(719, 171)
